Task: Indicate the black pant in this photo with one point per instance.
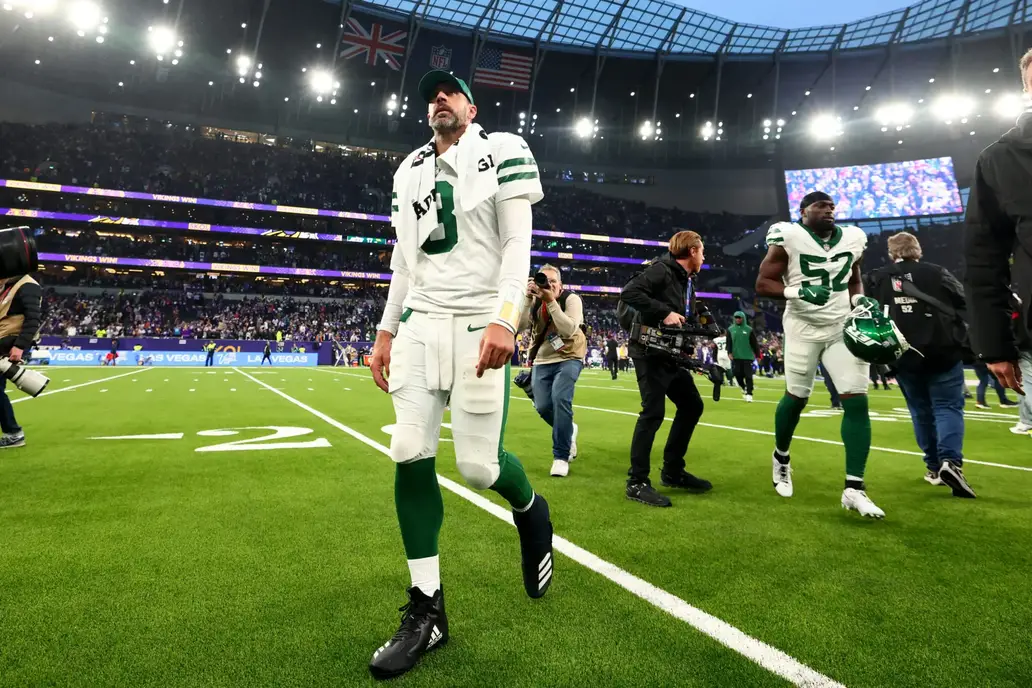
(7, 420)
(743, 373)
(210, 360)
(266, 357)
(611, 365)
(657, 379)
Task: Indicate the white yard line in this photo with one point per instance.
(768, 657)
(84, 384)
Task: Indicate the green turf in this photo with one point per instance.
(147, 563)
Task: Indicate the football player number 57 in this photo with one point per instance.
(819, 269)
(446, 216)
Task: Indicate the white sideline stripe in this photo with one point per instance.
(84, 384)
(797, 437)
(768, 657)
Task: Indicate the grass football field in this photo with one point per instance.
(251, 541)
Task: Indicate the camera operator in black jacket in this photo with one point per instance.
(927, 304)
(661, 295)
(20, 316)
(999, 226)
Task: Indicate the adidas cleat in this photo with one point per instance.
(424, 627)
(535, 529)
(858, 501)
(782, 476)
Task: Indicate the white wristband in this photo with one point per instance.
(853, 298)
(791, 292)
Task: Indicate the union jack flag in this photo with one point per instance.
(375, 44)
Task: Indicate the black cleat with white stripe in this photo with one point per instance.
(535, 528)
(424, 627)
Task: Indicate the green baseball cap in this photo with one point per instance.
(431, 80)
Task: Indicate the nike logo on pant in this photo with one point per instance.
(470, 328)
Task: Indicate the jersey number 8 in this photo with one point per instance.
(446, 216)
(819, 268)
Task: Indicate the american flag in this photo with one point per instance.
(375, 44)
(503, 70)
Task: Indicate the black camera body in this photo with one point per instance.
(676, 344)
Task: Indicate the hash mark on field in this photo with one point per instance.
(103, 390)
(767, 656)
(67, 380)
(311, 389)
(150, 390)
(193, 390)
(232, 389)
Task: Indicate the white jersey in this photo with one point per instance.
(813, 261)
(721, 354)
(457, 268)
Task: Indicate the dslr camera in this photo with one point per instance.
(17, 258)
(28, 381)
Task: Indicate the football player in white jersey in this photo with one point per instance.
(723, 360)
(446, 338)
(815, 265)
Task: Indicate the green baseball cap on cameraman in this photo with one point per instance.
(431, 80)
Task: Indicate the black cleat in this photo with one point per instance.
(646, 494)
(424, 627)
(953, 476)
(685, 481)
(535, 528)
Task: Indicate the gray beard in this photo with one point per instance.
(446, 126)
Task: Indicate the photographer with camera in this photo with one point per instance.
(556, 319)
(662, 295)
(20, 315)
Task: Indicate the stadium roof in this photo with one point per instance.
(658, 26)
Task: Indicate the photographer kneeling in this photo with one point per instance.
(556, 319)
(661, 295)
(20, 314)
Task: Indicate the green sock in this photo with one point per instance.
(856, 434)
(512, 483)
(786, 418)
(417, 497)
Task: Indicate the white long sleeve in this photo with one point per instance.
(396, 294)
(514, 225)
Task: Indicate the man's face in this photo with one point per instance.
(820, 215)
(555, 284)
(738, 320)
(449, 110)
(696, 257)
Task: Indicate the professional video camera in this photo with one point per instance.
(18, 257)
(676, 343)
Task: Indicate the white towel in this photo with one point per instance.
(475, 185)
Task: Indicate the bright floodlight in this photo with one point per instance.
(584, 128)
(952, 106)
(646, 130)
(894, 114)
(1010, 105)
(707, 131)
(826, 126)
(162, 39)
(243, 64)
(321, 81)
(84, 15)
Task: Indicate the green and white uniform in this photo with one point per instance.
(814, 333)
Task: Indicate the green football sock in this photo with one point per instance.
(512, 483)
(856, 434)
(786, 418)
(417, 497)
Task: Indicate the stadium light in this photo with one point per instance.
(646, 130)
(162, 39)
(1010, 105)
(825, 126)
(583, 128)
(84, 15)
(321, 81)
(953, 106)
(707, 131)
(243, 65)
(894, 114)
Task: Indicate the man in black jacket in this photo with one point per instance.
(931, 373)
(662, 295)
(999, 226)
(20, 316)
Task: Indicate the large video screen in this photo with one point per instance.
(890, 189)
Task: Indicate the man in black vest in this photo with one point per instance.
(932, 380)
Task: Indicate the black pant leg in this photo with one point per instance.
(653, 379)
(685, 395)
(7, 420)
(747, 374)
(611, 364)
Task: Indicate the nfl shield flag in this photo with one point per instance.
(440, 57)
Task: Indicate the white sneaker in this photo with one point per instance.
(1021, 429)
(560, 468)
(748, 398)
(857, 500)
(984, 407)
(782, 477)
(573, 442)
